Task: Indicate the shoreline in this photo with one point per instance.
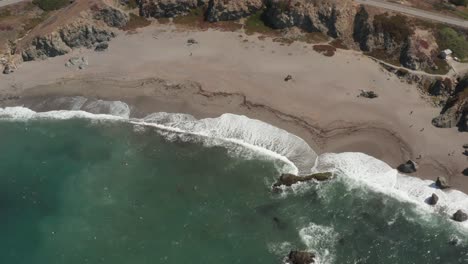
(252, 84)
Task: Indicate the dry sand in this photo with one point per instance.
(244, 75)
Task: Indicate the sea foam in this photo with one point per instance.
(230, 129)
(380, 177)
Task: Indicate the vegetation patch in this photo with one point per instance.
(193, 19)
(135, 22)
(50, 5)
(326, 50)
(338, 43)
(132, 4)
(196, 19)
(442, 67)
(33, 22)
(255, 24)
(448, 38)
(382, 55)
(396, 26)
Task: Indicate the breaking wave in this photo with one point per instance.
(375, 174)
(236, 132)
(320, 239)
(228, 130)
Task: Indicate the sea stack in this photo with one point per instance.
(460, 216)
(290, 179)
(433, 199)
(300, 257)
(442, 183)
(408, 167)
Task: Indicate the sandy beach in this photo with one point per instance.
(240, 74)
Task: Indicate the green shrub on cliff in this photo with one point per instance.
(459, 2)
(49, 5)
(448, 38)
(396, 26)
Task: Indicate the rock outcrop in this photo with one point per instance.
(465, 172)
(393, 37)
(46, 46)
(330, 17)
(442, 183)
(433, 199)
(289, 179)
(101, 46)
(460, 216)
(408, 167)
(300, 257)
(112, 17)
(76, 36)
(441, 87)
(62, 42)
(222, 10)
(455, 111)
(8, 69)
(167, 8)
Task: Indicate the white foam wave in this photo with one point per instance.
(237, 133)
(321, 240)
(380, 177)
(232, 130)
(247, 132)
(24, 114)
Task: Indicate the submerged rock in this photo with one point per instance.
(300, 257)
(408, 167)
(460, 216)
(442, 183)
(433, 199)
(289, 179)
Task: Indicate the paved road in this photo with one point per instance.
(9, 2)
(416, 12)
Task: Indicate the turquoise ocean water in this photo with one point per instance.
(87, 191)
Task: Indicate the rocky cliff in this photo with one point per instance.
(224, 10)
(167, 8)
(65, 39)
(385, 36)
(395, 38)
(330, 17)
(88, 30)
(455, 111)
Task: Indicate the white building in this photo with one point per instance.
(446, 53)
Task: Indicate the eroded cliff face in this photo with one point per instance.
(455, 111)
(89, 30)
(167, 8)
(389, 37)
(224, 10)
(61, 42)
(394, 37)
(327, 16)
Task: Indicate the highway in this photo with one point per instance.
(415, 12)
(375, 3)
(9, 2)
